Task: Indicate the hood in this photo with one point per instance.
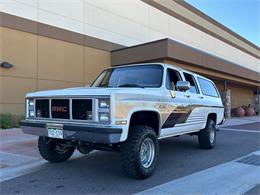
(87, 91)
(79, 91)
(91, 91)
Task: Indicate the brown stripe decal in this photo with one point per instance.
(37, 28)
(178, 116)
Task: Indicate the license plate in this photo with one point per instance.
(55, 133)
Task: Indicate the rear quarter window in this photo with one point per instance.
(207, 87)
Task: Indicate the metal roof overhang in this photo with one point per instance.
(167, 49)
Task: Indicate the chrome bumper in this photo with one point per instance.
(75, 132)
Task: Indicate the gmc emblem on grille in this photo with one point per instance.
(59, 109)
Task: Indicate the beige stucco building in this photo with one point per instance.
(66, 43)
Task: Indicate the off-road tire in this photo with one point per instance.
(47, 150)
(204, 135)
(130, 152)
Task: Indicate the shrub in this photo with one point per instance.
(10, 120)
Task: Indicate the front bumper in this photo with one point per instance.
(75, 132)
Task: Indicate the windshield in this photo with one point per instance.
(131, 76)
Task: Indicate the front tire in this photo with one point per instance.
(139, 154)
(207, 136)
(53, 151)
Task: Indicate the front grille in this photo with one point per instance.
(82, 109)
(42, 108)
(60, 108)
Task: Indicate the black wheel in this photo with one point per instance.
(207, 136)
(139, 153)
(53, 150)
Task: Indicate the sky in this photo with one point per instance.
(241, 16)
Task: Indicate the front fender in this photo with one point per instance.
(130, 114)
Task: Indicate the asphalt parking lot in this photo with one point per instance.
(100, 172)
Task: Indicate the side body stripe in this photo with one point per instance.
(178, 116)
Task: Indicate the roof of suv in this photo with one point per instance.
(164, 65)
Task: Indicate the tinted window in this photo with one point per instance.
(131, 76)
(173, 77)
(207, 87)
(193, 85)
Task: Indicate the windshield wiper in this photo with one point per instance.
(131, 85)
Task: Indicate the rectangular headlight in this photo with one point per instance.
(104, 103)
(31, 103)
(104, 109)
(30, 108)
(31, 114)
(104, 117)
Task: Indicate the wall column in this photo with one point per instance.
(257, 102)
(226, 99)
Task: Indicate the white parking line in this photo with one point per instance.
(239, 130)
(10, 141)
(228, 178)
(16, 171)
(11, 159)
(12, 172)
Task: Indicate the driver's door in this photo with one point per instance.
(176, 105)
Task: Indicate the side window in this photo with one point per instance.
(193, 85)
(172, 77)
(207, 87)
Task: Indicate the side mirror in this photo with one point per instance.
(183, 85)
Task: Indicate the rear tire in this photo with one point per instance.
(139, 153)
(53, 151)
(207, 136)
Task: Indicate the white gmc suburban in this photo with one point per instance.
(126, 109)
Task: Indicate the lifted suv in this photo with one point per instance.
(126, 109)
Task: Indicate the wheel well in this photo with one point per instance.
(213, 116)
(149, 118)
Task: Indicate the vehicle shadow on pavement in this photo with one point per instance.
(100, 172)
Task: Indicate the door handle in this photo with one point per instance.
(187, 95)
(201, 97)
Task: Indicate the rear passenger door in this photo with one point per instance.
(196, 118)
